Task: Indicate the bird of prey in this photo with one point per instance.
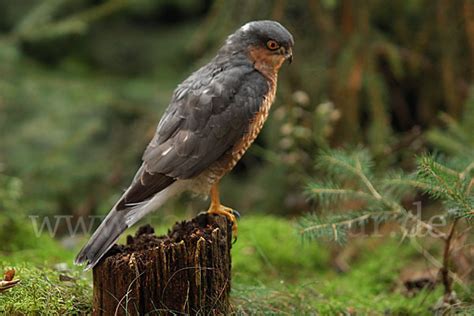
(212, 119)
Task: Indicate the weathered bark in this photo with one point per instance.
(184, 272)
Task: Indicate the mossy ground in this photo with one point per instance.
(274, 273)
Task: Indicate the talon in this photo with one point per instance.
(217, 208)
(228, 213)
(236, 213)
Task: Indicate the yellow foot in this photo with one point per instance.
(227, 212)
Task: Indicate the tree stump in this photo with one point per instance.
(184, 272)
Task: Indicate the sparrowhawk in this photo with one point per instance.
(212, 119)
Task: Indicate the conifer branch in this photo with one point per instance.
(366, 181)
(466, 170)
(347, 223)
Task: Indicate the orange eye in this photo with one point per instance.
(272, 45)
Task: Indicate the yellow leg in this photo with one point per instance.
(217, 208)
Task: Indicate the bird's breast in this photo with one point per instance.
(231, 158)
(254, 128)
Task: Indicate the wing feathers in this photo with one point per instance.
(204, 120)
(146, 187)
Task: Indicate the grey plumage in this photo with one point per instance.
(205, 122)
(102, 239)
(208, 114)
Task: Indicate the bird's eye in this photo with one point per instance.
(272, 45)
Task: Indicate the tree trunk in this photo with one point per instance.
(184, 272)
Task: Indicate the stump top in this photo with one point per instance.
(188, 231)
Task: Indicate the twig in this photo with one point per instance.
(435, 262)
(445, 269)
(367, 182)
(347, 222)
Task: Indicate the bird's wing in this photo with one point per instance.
(204, 121)
(207, 115)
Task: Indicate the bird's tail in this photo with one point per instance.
(103, 238)
(116, 223)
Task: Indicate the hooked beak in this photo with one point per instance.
(287, 53)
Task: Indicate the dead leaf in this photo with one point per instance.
(8, 282)
(9, 275)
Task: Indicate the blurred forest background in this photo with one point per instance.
(83, 84)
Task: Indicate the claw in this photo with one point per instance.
(227, 212)
(234, 225)
(235, 213)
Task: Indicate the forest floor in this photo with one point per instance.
(274, 273)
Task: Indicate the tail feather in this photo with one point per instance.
(103, 239)
(117, 222)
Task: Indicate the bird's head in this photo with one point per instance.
(267, 43)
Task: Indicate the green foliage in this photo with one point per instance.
(269, 249)
(378, 198)
(19, 241)
(65, 135)
(457, 138)
(13, 233)
(40, 24)
(453, 187)
(355, 165)
(59, 149)
(370, 287)
(365, 196)
(10, 193)
(70, 128)
(41, 290)
(273, 274)
(451, 179)
(353, 185)
(31, 256)
(330, 193)
(350, 178)
(336, 227)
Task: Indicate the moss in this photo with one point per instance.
(268, 248)
(42, 290)
(274, 273)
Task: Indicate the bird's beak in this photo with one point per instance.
(289, 55)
